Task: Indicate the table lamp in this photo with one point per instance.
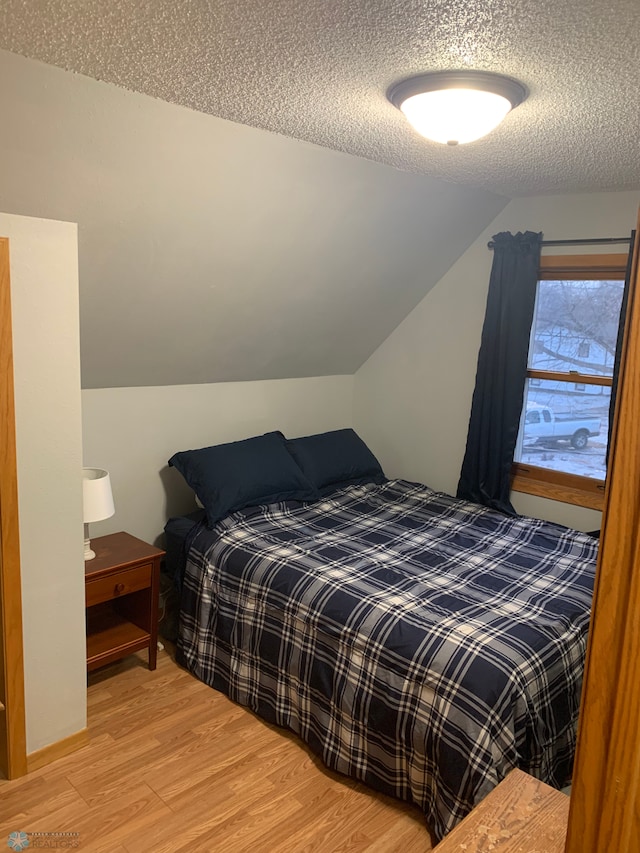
(97, 500)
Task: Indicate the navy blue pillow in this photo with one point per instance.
(334, 459)
(227, 477)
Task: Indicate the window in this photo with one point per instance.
(562, 445)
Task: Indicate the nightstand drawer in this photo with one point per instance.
(118, 584)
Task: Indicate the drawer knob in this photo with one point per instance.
(119, 588)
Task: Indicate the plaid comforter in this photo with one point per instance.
(421, 644)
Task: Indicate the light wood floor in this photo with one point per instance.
(173, 765)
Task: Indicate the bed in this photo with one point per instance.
(421, 644)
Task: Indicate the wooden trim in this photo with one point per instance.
(569, 377)
(606, 789)
(13, 750)
(42, 757)
(588, 267)
(556, 485)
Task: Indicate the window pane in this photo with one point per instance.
(576, 326)
(564, 429)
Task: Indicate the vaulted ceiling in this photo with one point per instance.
(250, 205)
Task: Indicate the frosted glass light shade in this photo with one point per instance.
(456, 107)
(455, 116)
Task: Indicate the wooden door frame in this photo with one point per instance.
(13, 754)
(605, 795)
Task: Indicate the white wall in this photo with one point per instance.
(412, 397)
(211, 251)
(132, 432)
(44, 293)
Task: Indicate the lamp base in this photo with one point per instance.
(88, 553)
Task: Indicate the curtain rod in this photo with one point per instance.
(586, 242)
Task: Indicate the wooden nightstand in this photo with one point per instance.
(121, 592)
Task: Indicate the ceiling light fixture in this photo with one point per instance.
(454, 107)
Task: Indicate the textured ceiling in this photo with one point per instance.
(318, 70)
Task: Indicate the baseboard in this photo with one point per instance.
(42, 757)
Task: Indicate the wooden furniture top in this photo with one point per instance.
(117, 551)
(521, 815)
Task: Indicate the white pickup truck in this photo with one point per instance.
(541, 426)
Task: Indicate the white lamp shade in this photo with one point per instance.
(96, 495)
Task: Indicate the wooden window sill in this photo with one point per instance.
(568, 488)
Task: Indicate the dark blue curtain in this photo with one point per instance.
(501, 373)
